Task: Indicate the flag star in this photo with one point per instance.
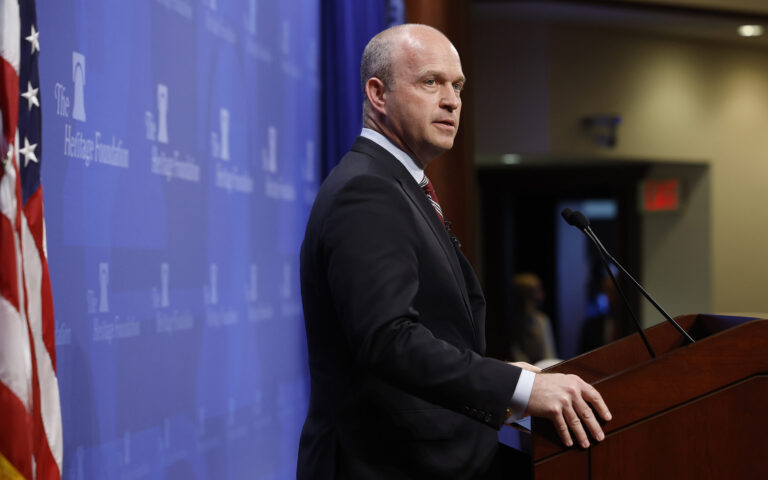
(31, 96)
(29, 152)
(32, 38)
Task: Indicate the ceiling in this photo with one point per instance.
(712, 20)
(749, 7)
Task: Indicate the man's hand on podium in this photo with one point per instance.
(565, 400)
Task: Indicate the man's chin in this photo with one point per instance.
(445, 145)
(444, 140)
(439, 149)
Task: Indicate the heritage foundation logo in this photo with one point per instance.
(224, 131)
(78, 77)
(269, 154)
(251, 20)
(214, 277)
(103, 285)
(162, 113)
(165, 278)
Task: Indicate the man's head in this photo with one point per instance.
(412, 79)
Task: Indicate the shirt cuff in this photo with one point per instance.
(519, 402)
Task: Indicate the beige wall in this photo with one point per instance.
(680, 101)
(512, 96)
(677, 246)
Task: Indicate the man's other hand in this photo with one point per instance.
(565, 400)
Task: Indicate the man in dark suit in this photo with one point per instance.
(394, 313)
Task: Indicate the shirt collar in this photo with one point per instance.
(409, 163)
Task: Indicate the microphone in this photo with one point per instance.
(577, 219)
(580, 221)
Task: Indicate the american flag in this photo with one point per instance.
(30, 413)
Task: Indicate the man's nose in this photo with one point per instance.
(450, 99)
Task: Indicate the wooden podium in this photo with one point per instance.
(695, 411)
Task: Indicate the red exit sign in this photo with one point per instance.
(661, 195)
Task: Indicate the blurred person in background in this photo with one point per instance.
(528, 328)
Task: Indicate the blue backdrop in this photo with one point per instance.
(182, 151)
(347, 27)
(181, 157)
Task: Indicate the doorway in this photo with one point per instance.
(521, 230)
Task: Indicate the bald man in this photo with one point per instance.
(395, 316)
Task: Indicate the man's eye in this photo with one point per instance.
(430, 82)
(457, 86)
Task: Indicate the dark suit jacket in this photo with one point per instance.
(395, 329)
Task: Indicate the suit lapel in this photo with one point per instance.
(419, 198)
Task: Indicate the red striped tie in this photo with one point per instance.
(426, 185)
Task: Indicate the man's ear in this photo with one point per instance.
(375, 91)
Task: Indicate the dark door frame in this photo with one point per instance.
(517, 228)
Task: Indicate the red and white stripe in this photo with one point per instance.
(31, 443)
